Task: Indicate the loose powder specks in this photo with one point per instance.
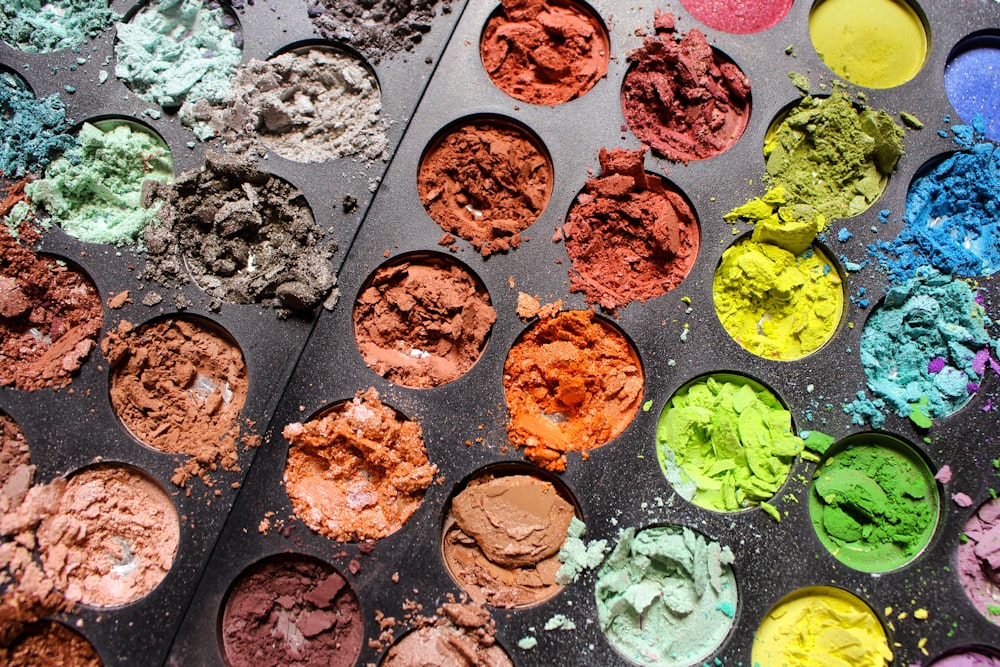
(358, 472)
(179, 386)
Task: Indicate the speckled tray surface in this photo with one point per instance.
(621, 484)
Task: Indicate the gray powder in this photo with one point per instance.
(242, 235)
(309, 107)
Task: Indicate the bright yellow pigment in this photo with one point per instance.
(871, 43)
(820, 626)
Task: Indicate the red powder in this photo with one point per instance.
(741, 17)
(681, 97)
(629, 235)
(544, 51)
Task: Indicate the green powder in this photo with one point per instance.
(726, 443)
(36, 26)
(94, 191)
(874, 505)
(833, 155)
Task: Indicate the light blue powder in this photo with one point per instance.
(33, 132)
(952, 216)
(926, 347)
(37, 26)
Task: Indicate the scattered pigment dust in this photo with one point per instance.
(52, 644)
(725, 443)
(572, 382)
(173, 52)
(486, 181)
(630, 234)
(94, 192)
(741, 17)
(311, 105)
(178, 385)
(357, 472)
(377, 28)
(501, 539)
(33, 132)
(544, 51)
(683, 98)
(460, 634)
(952, 218)
(926, 347)
(666, 596)
(797, 631)
(292, 610)
(778, 295)
(979, 560)
(422, 321)
(50, 314)
(874, 505)
(112, 538)
(43, 27)
(242, 235)
(833, 154)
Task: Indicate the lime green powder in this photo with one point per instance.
(94, 191)
(833, 155)
(726, 443)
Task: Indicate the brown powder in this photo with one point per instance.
(572, 382)
(14, 455)
(178, 385)
(359, 471)
(422, 322)
(485, 181)
(50, 315)
(50, 644)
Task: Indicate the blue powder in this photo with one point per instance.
(844, 235)
(927, 345)
(972, 83)
(33, 131)
(952, 217)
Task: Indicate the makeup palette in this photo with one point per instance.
(433, 318)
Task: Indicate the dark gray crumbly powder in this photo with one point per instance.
(242, 235)
(376, 28)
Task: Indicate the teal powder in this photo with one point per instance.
(177, 51)
(926, 346)
(663, 595)
(94, 192)
(33, 132)
(40, 26)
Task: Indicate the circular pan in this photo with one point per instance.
(12, 79)
(631, 235)
(46, 27)
(969, 656)
(178, 385)
(176, 52)
(972, 80)
(797, 628)
(762, 292)
(874, 502)
(678, 629)
(49, 643)
(548, 55)
(832, 153)
(311, 102)
(52, 317)
(114, 159)
(357, 470)
(725, 442)
(502, 531)
(486, 179)
(462, 633)
(681, 96)
(422, 320)
(871, 43)
(740, 17)
(572, 383)
(979, 576)
(291, 609)
(114, 536)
